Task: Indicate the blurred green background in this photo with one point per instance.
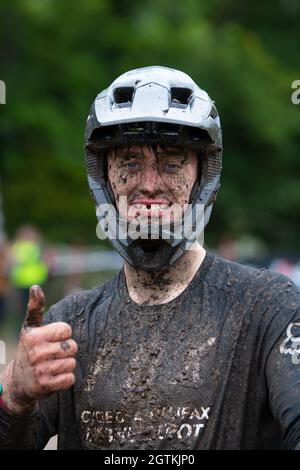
(55, 56)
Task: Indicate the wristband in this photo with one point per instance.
(2, 404)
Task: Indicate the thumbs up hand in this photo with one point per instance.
(44, 361)
(35, 307)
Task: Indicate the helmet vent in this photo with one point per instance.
(213, 112)
(123, 95)
(180, 96)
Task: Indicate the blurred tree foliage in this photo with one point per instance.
(55, 56)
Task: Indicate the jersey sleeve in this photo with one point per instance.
(282, 358)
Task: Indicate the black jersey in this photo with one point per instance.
(215, 368)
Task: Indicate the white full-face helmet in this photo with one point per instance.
(153, 105)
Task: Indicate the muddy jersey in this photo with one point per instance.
(215, 368)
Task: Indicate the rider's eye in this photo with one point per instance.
(171, 167)
(132, 166)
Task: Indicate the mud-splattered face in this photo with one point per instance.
(156, 180)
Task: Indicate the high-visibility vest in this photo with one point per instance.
(29, 267)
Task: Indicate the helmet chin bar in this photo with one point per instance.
(151, 260)
(158, 254)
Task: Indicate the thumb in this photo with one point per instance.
(35, 307)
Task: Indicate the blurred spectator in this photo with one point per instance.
(283, 266)
(227, 248)
(27, 264)
(4, 284)
(74, 279)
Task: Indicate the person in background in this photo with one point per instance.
(27, 266)
(4, 282)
